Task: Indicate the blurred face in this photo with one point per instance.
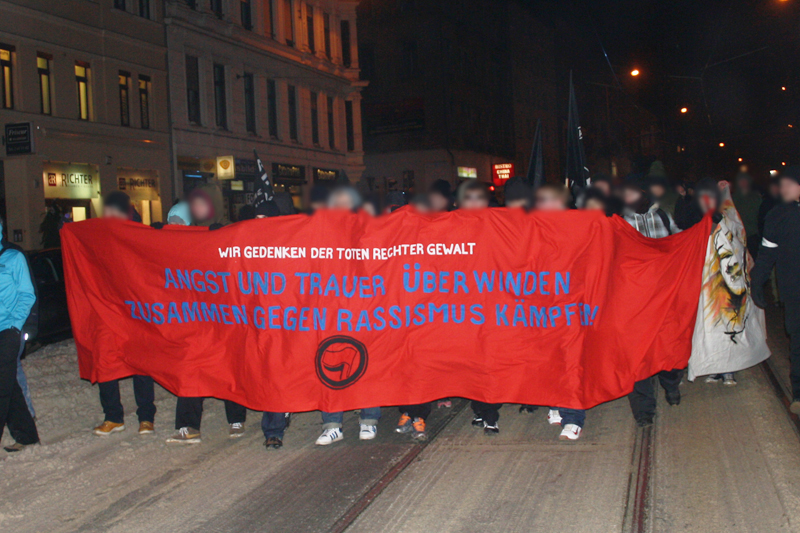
(631, 196)
(657, 191)
(774, 190)
(438, 202)
(341, 200)
(422, 207)
(520, 203)
(547, 200)
(113, 212)
(475, 200)
(370, 209)
(594, 203)
(790, 190)
(680, 189)
(708, 202)
(316, 206)
(200, 208)
(743, 186)
(602, 186)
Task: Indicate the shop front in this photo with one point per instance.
(290, 179)
(72, 190)
(143, 188)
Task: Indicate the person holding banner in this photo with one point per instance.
(649, 220)
(117, 204)
(551, 197)
(206, 209)
(780, 247)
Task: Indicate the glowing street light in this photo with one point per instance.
(740, 160)
(722, 145)
(635, 72)
(783, 163)
(684, 110)
(783, 88)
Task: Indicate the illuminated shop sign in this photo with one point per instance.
(467, 172)
(138, 184)
(322, 174)
(502, 172)
(71, 181)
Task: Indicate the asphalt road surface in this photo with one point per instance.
(726, 459)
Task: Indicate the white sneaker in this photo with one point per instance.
(728, 380)
(570, 432)
(367, 432)
(329, 436)
(554, 417)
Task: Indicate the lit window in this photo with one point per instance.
(6, 79)
(43, 64)
(82, 78)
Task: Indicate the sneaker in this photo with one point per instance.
(554, 417)
(273, 443)
(477, 421)
(107, 428)
(367, 432)
(404, 424)
(713, 378)
(728, 380)
(570, 432)
(491, 430)
(673, 397)
(795, 406)
(444, 404)
(419, 430)
(16, 447)
(329, 436)
(236, 430)
(185, 436)
(146, 428)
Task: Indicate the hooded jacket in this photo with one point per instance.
(212, 194)
(180, 215)
(16, 290)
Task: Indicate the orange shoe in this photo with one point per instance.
(404, 424)
(146, 428)
(419, 429)
(107, 428)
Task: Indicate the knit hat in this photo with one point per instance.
(517, 189)
(319, 194)
(443, 188)
(120, 201)
(792, 173)
(268, 209)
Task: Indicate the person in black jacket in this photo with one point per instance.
(780, 247)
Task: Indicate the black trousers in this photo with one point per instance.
(792, 321)
(422, 410)
(489, 412)
(144, 392)
(14, 411)
(643, 397)
(189, 412)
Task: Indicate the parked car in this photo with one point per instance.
(48, 273)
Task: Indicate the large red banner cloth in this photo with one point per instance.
(341, 311)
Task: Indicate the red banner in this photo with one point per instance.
(341, 311)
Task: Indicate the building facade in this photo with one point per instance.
(455, 91)
(83, 111)
(280, 77)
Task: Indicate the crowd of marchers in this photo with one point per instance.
(653, 205)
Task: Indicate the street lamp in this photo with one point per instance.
(684, 110)
(722, 145)
(740, 160)
(635, 72)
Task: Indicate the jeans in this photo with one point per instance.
(143, 391)
(189, 413)
(273, 424)
(792, 322)
(23, 380)
(14, 411)
(643, 397)
(422, 410)
(489, 412)
(571, 416)
(369, 417)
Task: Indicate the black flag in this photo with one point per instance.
(536, 165)
(577, 171)
(264, 192)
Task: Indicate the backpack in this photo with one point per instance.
(31, 327)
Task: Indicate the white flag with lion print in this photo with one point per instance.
(730, 333)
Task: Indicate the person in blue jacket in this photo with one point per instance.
(16, 300)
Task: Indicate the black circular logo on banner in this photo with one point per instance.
(341, 361)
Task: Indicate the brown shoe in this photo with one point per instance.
(16, 447)
(185, 436)
(146, 428)
(236, 430)
(107, 428)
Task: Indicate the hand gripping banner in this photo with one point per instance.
(341, 311)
